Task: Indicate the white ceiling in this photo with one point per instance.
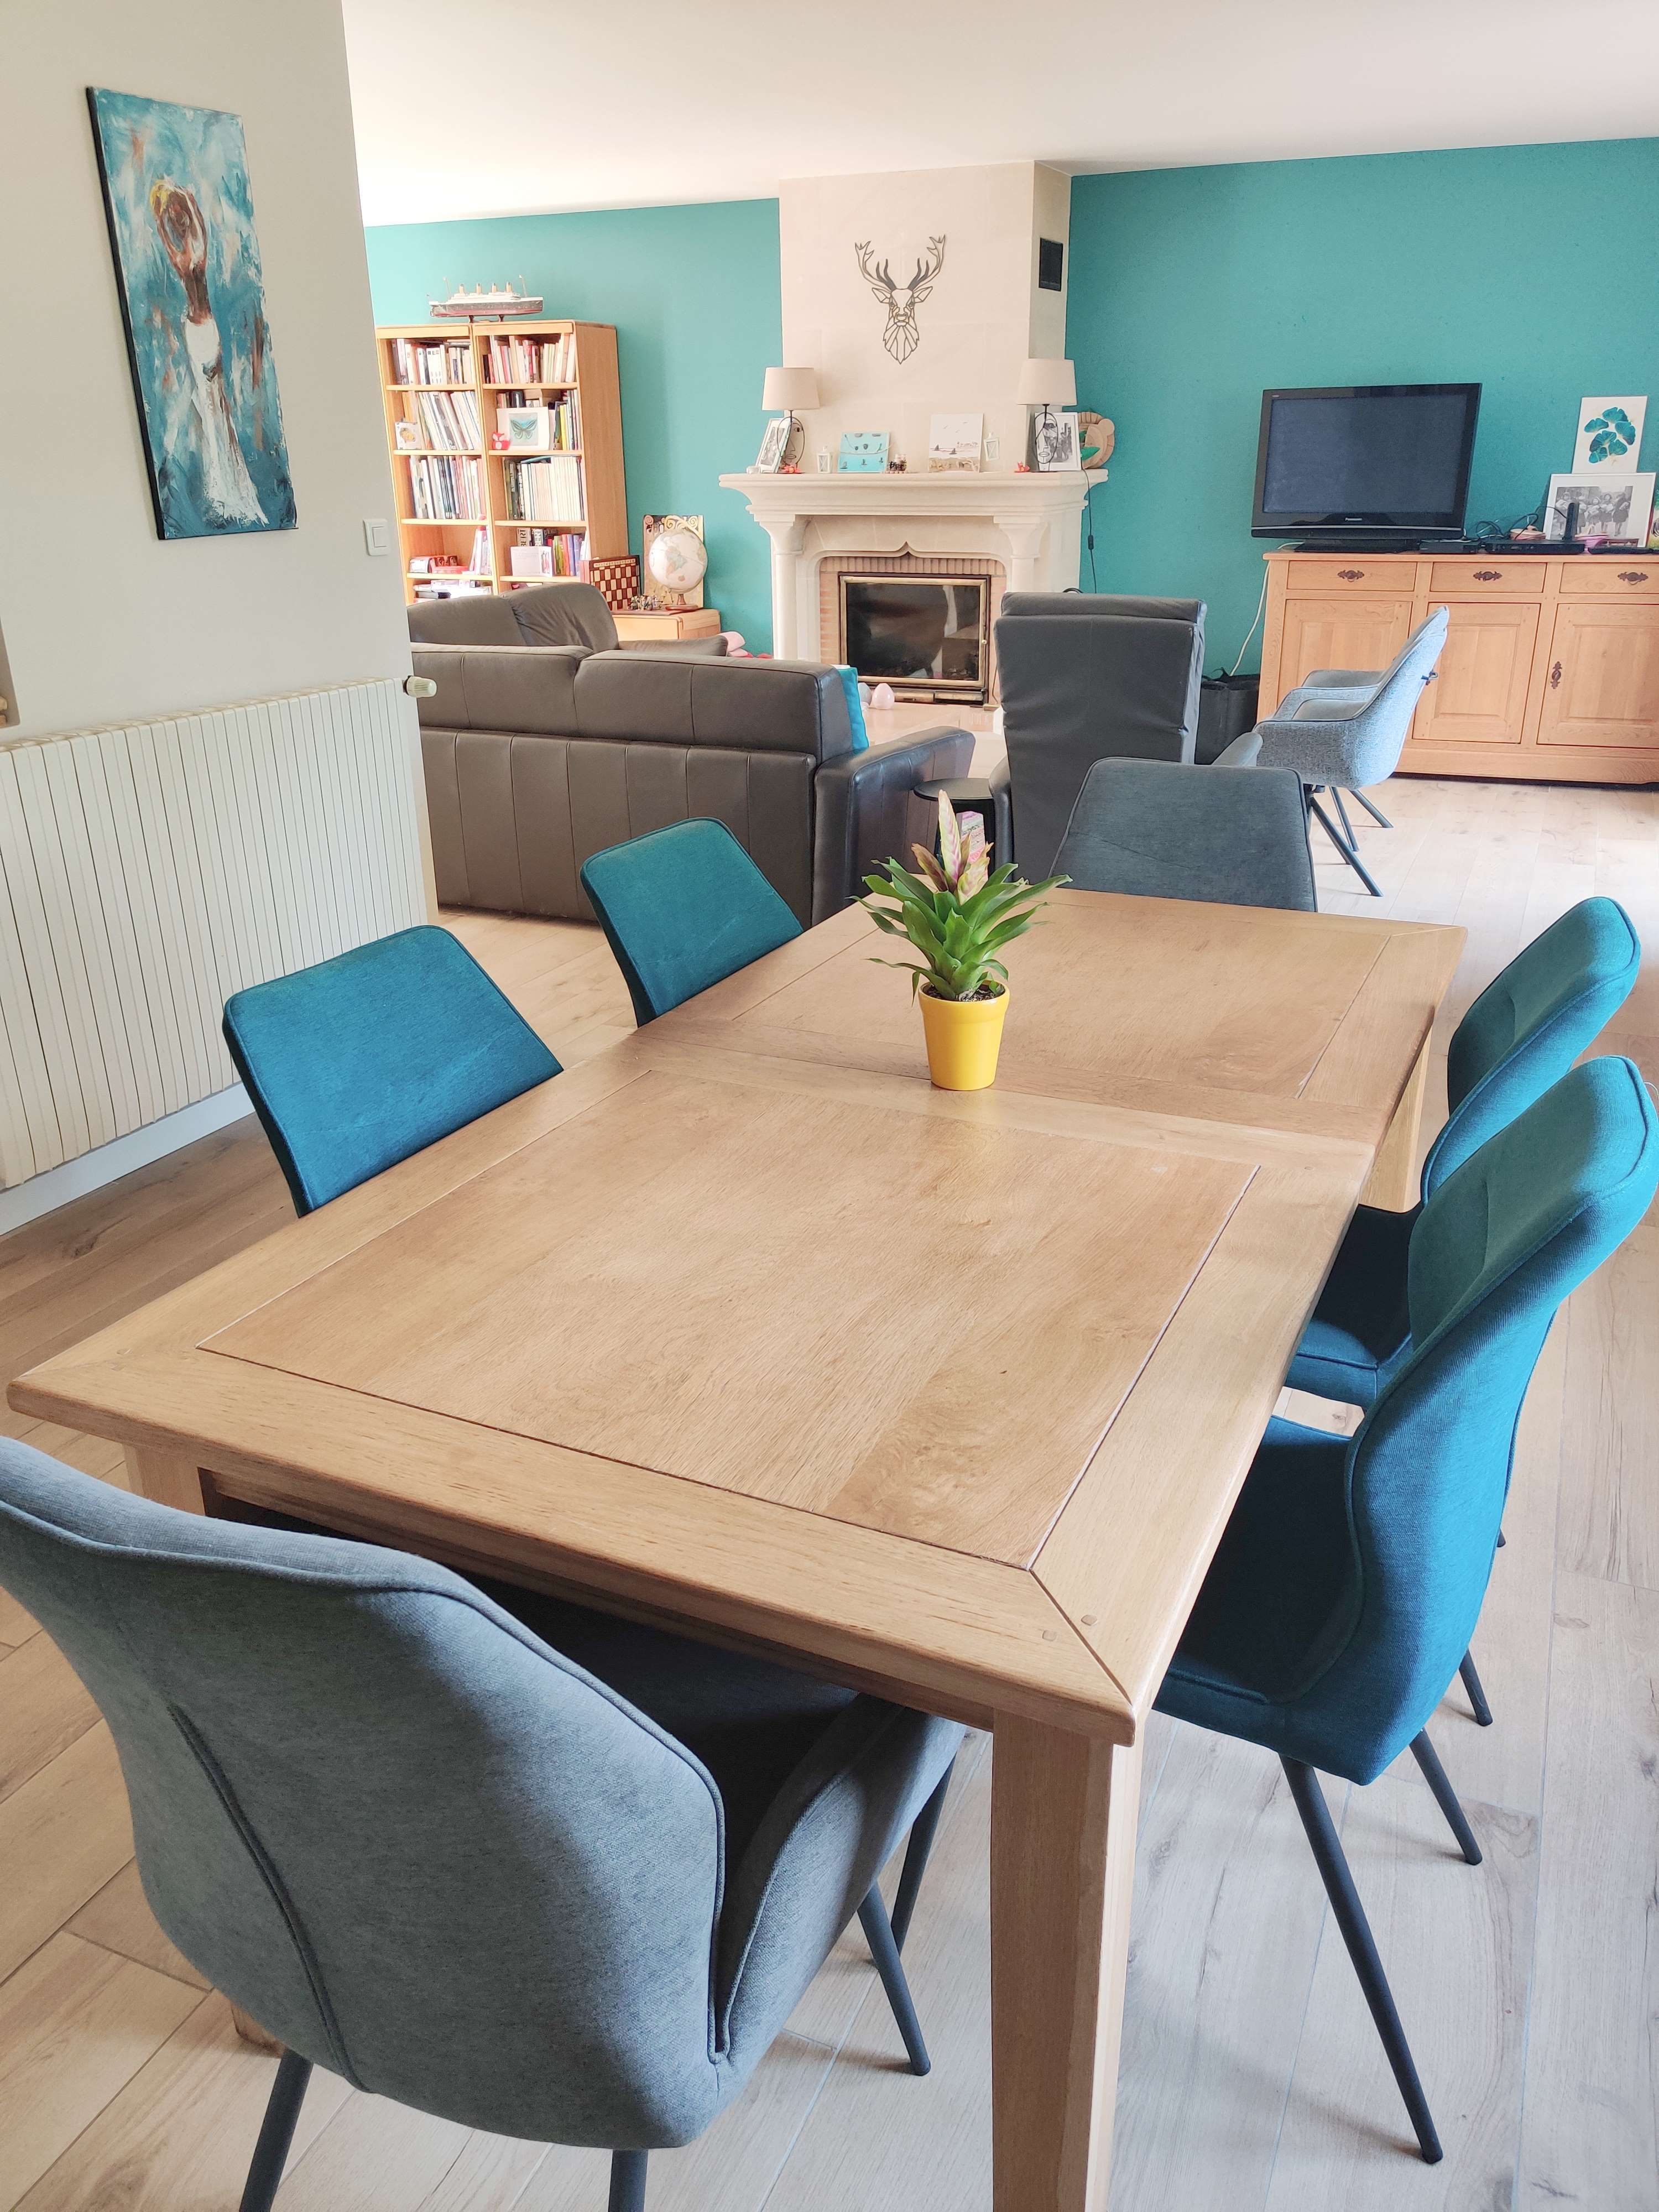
(468, 107)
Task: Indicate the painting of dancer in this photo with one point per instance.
(192, 299)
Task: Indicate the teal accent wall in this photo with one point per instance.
(694, 294)
(1533, 270)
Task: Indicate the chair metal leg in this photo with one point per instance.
(1445, 1796)
(923, 1829)
(1471, 1683)
(879, 1933)
(628, 2180)
(1342, 816)
(1348, 851)
(1362, 1949)
(275, 2133)
(1376, 813)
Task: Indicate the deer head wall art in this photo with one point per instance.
(900, 337)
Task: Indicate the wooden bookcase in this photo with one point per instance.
(598, 457)
(1550, 669)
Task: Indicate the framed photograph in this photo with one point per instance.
(954, 443)
(864, 452)
(770, 459)
(408, 436)
(1055, 441)
(1617, 505)
(1609, 434)
(526, 429)
(192, 296)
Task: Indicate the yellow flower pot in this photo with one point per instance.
(964, 1037)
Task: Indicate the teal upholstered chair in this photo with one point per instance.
(357, 1062)
(1524, 1032)
(1351, 1573)
(532, 1869)
(683, 908)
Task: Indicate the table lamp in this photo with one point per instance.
(1047, 383)
(786, 391)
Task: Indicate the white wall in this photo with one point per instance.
(984, 316)
(102, 621)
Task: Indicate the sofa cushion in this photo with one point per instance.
(849, 684)
(474, 619)
(564, 614)
(746, 706)
(483, 687)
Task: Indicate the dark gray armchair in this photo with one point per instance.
(1234, 833)
(539, 1871)
(1085, 676)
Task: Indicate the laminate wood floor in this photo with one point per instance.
(1251, 2079)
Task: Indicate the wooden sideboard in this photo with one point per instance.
(1551, 671)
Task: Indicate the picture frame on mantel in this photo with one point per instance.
(864, 452)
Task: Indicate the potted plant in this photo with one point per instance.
(958, 912)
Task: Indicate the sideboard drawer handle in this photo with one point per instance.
(1555, 676)
(1351, 575)
(1632, 575)
(1488, 575)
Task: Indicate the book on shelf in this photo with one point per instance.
(511, 358)
(543, 553)
(445, 488)
(525, 421)
(446, 361)
(548, 490)
(449, 421)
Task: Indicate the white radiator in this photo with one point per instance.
(146, 873)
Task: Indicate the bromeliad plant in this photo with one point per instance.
(958, 912)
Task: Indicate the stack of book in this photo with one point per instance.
(449, 421)
(511, 360)
(445, 488)
(542, 553)
(544, 492)
(448, 362)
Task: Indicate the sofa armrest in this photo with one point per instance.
(866, 810)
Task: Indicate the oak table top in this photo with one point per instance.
(745, 1327)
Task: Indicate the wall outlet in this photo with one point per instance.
(992, 447)
(377, 534)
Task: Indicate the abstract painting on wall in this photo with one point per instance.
(192, 299)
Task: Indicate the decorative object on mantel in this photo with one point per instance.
(897, 466)
(958, 912)
(192, 302)
(794, 393)
(883, 697)
(498, 304)
(770, 459)
(1609, 434)
(1047, 385)
(954, 443)
(1057, 441)
(901, 337)
(1096, 436)
(863, 452)
(676, 558)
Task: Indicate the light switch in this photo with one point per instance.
(377, 534)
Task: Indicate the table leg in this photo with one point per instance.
(1063, 1815)
(166, 1477)
(1395, 1181)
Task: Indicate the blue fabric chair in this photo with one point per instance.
(1339, 737)
(683, 908)
(1522, 1034)
(357, 1062)
(1351, 1573)
(539, 1870)
(1234, 835)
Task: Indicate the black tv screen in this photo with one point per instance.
(1376, 456)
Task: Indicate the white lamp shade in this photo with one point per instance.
(1048, 384)
(790, 390)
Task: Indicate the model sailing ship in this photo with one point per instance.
(497, 304)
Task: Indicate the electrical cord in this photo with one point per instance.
(1259, 605)
(1089, 512)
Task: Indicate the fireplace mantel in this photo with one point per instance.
(1030, 522)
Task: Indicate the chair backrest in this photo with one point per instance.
(542, 614)
(421, 1847)
(1237, 836)
(1531, 1022)
(683, 908)
(1082, 680)
(357, 1062)
(1504, 1239)
(1357, 741)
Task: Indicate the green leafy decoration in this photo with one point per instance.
(956, 912)
(1612, 433)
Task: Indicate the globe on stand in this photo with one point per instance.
(677, 562)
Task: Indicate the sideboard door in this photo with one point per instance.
(1478, 695)
(1602, 685)
(1342, 633)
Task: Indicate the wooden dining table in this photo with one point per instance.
(743, 1327)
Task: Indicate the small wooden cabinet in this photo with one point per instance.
(1551, 668)
(666, 625)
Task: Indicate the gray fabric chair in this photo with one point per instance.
(1234, 835)
(1343, 728)
(539, 1870)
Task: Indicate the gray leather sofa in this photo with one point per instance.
(539, 755)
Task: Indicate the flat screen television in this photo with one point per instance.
(1381, 462)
